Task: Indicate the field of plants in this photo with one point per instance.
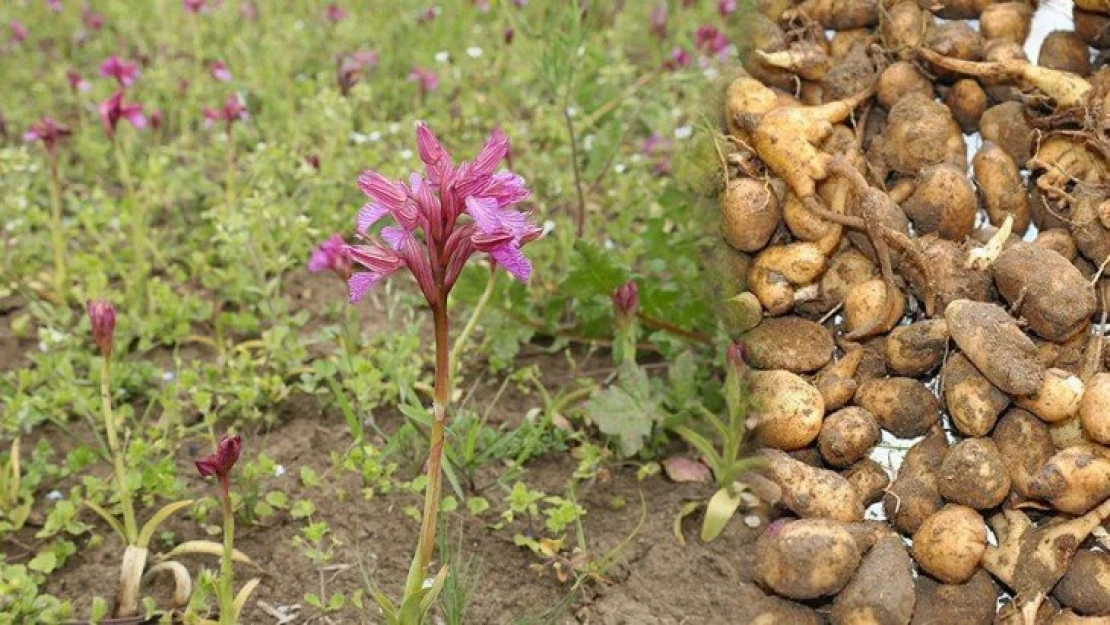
(196, 166)
(511, 311)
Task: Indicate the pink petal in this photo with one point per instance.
(431, 151)
(681, 469)
(360, 283)
(492, 152)
(509, 257)
(484, 213)
(388, 193)
(395, 236)
(369, 215)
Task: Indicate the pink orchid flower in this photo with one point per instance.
(49, 132)
(441, 219)
(124, 72)
(114, 109)
(219, 71)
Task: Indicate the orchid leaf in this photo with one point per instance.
(108, 518)
(206, 548)
(244, 594)
(151, 526)
(721, 508)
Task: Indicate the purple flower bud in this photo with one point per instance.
(626, 301)
(508, 36)
(125, 73)
(91, 19)
(193, 6)
(680, 58)
(659, 20)
(19, 32)
(332, 255)
(737, 357)
(113, 109)
(220, 463)
(334, 13)
(313, 161)
(47, 131)
(219, 71)
(710, 40)
(427, 15)
(724, 7)
(76, 82)
(425, 79)
(156, 119)
(102, 316)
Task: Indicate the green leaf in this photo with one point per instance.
(477, 505)
(682, 375)
(151, 526)
(277, 499)
(627, 411)
(594, 271)
(44, 562)
(309, 477)
(448, 504)
(313, 600)
(722, 506)
(302, 508)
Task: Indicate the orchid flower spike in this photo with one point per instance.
(441, 218)
(47, 131)
(219, 463)
(102, 316)
(125, 73)
(114, 109)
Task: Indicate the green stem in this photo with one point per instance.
(227, 581)
(131, 529)
(229, 182)
(471, 324)
(427, 540)
(138, 214)
(57, 234)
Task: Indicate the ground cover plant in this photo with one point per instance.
(182, 241)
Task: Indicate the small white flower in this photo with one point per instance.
(608, 244)
(375, 136)
(572, 111)
(619, 168)
(581, 50)
(168, 376)
(711, 73)
(54, 495)
(683, 132)
(588, 143)
(548, 227)
(358, 138)
(279, 470)
(406, 154)
(474, 52)
(442, 57)
(394, 128)
(429, 582)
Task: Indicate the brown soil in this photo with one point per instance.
(654, 579)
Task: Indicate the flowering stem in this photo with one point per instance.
(472, 323)
(580, 216)
(130, 528)
(57, 235)
(227, 583)
(435, 454)
(138, 215)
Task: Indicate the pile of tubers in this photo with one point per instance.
(893, 290)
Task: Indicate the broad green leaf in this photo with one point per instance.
(722, 506)
(626, 411)
(45, 562)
